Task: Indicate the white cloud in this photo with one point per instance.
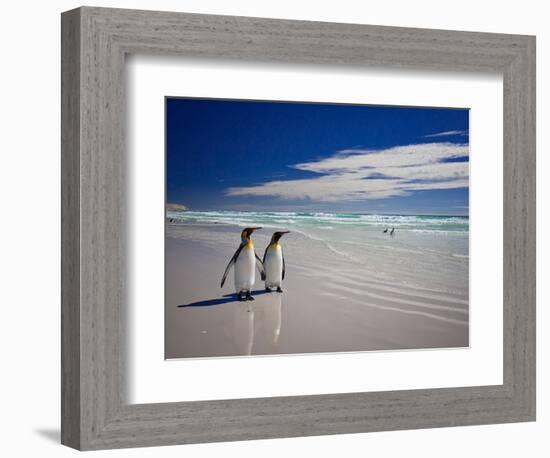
(399, 156)
(447, 133)
(359, 174)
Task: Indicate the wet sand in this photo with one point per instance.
(330, 302)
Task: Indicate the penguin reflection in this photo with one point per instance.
(256, 328)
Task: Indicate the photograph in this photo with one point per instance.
(311, 227)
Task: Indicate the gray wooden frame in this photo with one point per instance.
(95, 413)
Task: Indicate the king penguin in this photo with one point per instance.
(246, 261)
(274, 263)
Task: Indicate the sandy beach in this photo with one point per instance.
(402, 292)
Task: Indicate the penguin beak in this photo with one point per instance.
(252, 229)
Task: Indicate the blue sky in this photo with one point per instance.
(288, 156)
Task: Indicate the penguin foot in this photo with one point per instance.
(249, 298)
(241, 298)
(279, 290)
(268, 290)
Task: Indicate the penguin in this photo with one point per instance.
(274, 263)
(385, 231)
(246, 261)
(392, 230)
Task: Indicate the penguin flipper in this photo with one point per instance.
(260, 266)
(231, 262)
(284, 267)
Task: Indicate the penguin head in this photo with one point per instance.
(277, 235)
(247, 232)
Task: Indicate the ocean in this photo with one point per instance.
(420, 223)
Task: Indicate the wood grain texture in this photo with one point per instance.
(96, 414)
(70, 229)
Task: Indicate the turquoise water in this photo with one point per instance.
(318, 220)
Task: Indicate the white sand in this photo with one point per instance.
(331, 301)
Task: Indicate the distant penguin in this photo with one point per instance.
(246, 261)
(392, 230)
(385, 231)
(274, 263)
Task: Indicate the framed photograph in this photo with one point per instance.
(369, 241)
(336, 220)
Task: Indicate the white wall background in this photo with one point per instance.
(29, 228)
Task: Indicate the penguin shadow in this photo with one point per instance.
(256, 327)
(225, 299)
